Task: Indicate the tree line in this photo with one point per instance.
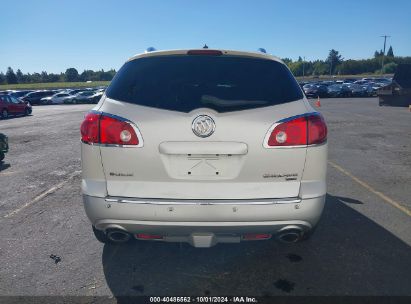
(71, 75)
(334, 64)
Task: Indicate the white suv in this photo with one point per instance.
(203, 146)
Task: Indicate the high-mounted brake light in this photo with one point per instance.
(304, 130)
(205, 52)
(98, 128)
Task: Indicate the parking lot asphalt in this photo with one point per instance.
(361, 247)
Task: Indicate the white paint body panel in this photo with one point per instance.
(152, 174)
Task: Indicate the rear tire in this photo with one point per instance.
(4, 114)
(2, 155)
(26, 112)
(100, 236)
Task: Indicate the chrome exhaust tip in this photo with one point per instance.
(290, 235)
(118, 236)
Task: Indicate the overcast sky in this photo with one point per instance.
(37, 35)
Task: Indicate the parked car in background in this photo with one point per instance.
(11, 106)
(55, 99)
(361, 82)
(95, 98)
(4, 146)
(74, 92)
(327, 83)
(71, 91)
(349, 80)
(81, 97)
(348, 84)
(19, 94)
(338, 90)
(372, 88)
(171, 154)
(385, 81)
(358, 90)
(309, 85)
(34, 98)
(314, 91)
(101, 90)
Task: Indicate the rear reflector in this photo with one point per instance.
(304, 130)
(145, 236)
(256, 236)
(204, 52)
(98, 128)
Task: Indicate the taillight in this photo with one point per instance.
(317, 129)
(300, 131)
(90, 128)
(104, 129)
(117, 132)
(290, 133)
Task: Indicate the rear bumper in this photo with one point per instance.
(179, 219)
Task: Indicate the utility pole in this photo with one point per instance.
(303, 67)
(383, 55)
(331, 66)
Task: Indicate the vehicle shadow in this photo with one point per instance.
(349, 254)
(15, 116)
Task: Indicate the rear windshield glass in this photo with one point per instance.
(187, 82)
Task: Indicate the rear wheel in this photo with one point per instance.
(4, 114)
(100, 236)
(27, 112)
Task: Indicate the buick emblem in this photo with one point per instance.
(203, 126)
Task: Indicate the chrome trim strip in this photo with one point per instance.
(202, 201)
(297, 116)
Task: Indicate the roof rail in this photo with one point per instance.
(262, 50)
(150, 49)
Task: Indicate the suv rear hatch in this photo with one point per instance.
(242, 95)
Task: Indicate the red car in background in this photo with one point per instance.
(11, 106)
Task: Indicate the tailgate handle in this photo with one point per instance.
(210, 147)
